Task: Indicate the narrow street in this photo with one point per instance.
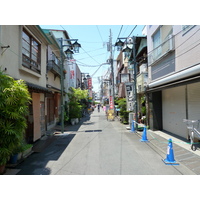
(98, 147)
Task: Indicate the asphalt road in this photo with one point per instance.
(98, 147)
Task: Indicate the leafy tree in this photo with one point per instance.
(77, 94)
(14, 99)
(77, 98)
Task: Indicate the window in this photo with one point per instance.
(30, 52)
(186, 28)
(55, 59)
(156, 44)
(156, 39)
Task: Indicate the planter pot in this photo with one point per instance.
(77, 120)
(73, 121)
(19, 156)
(2, 169)
(13, 159)
(26, 152)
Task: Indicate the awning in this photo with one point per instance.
(37, 88)
(180, 77)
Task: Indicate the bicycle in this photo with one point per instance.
(193, 127)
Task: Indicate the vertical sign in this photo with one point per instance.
(89, 83)
(90, 87)
(111, 103)
(72, 77)
(129, 96)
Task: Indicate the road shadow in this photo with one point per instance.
(74, 128)
(36, 163)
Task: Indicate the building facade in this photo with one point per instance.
(174, 69)
(23, 56)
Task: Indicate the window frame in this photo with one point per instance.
(29, 59)
(186, 28)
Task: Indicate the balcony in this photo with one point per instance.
(53, 67)
(142, 82)
(162, 50)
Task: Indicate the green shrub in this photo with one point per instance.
(14, 99)
(124, 114)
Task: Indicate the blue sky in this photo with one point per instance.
(93, 39)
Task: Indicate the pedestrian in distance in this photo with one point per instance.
(98, 107)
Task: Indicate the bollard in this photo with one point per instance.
(169, 160)
(132, 127)
(144, 135)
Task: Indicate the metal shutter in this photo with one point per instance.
(193, 101)
(174, 110)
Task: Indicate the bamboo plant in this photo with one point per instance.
(14, 99)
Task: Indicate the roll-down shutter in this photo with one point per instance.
(174, 110)
(193, 101)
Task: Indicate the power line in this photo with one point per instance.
(119, 32)
(125, 29)
(99, 33)
(82, 47)
(93, 56)
(86, 65)
(90, 56)
(132, 31)
(92, 50)
(99, 68)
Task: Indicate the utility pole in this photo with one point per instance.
(112, 71)
(62, 86)
(135, 81)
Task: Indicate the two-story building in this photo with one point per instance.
(174, 72)
(30, 54)
(23, 56)
(133, 54)
(53, 81)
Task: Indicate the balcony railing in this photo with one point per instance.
(162, 50)
(53, 67)
(142, 82)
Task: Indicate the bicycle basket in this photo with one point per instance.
(190, 123)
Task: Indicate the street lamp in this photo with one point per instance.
(76, 47)
(119, 45)
(127, 52)
(68, 53)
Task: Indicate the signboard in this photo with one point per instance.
(129, 96)
(89, 83)
(110, 115)
(125, 78)
(111, 103)
(72, 75)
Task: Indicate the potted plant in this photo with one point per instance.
(76, 97)
(14, 101)
(16, 155)
(27, 148)
(74, 112)
(124, 114)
